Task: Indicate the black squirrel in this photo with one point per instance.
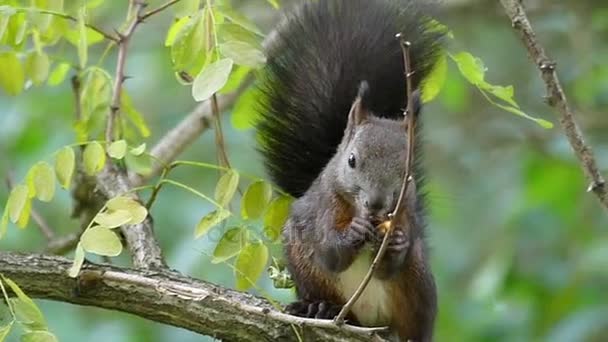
(332, 134)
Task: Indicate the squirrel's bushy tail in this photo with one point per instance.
(319, 55)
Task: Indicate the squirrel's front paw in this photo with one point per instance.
(360, 231)
(398, 242)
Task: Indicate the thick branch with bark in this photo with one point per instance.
(556, 98)
(169, 298)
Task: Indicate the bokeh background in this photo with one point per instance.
(519, 249)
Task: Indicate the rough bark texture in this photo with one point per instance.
(556, 98)
(169, 298)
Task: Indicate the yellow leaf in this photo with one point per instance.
(94, 158)
(210, 220)
(12, 76)
(25, 214)
(101, 241)
(26, 310)
(44, 181)
(117, 149)
(38, 336)
(137, 211)
(113, 219)
(17, 202)
(78, 261)
(58, 74)
(230, 245)
(226, 187)
(3, 224)
(139, 150)
(64, 166)
(37, 67)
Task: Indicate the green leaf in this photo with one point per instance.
(25, 214)
(250, 264)
(236, 78)
(5, 330)
(255, 200)
(73, 36)
(188, 42)
(208, 221)
(175, 29)
(94, 158)
(38, 336)
(274, 3)
(137, 211)
(37, 67)
(12, 76)
(5, 14)
(78, 261)
(543, 123)
(101, 241)
(95, 95)
(186, 7)
(226, 187)
(113, 219)
(4, 223)
(64, 166)
(58, 74)
(470, 67)
(228, 32)
(117, 149)
(82, 38)
(243, 54)
(26, 310)
(244, 115)
(276, 216)
(137, 151)
(141, 164)
(211, 79)
(238, 19)
(230, 244)
(433, 84)
(133, 115)
(43, 178)
(17, 202)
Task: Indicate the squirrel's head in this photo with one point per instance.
(371, 160)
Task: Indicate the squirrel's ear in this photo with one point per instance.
(359, 111)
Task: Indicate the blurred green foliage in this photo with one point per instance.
(519, 249)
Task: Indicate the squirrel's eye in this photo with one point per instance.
(351, 160)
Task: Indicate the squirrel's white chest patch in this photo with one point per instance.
(373, 307)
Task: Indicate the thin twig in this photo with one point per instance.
(219, 134)
(407, 179)
(556, 98)
(119, 77)
(158, 9)
(77, 98)
(63, 245)
(74, 19)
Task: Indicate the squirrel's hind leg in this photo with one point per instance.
(316, 309)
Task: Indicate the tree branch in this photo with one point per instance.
(142, 243)
(556, 98)
(169, 298)
(174, 142)
(158, 9)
